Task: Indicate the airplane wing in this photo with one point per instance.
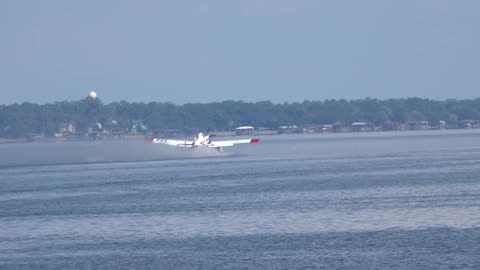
(170, 142)
(232, 143)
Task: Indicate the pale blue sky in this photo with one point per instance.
(204, 51)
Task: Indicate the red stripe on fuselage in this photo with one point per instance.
(254, 140)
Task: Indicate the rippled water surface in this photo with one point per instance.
(408, 200)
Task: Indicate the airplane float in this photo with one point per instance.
(203, 140)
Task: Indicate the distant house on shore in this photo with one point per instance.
(67, 129)
(442, 124)
(469, 124)
(362, 127)
(292, 129)
(340, 127)
(392, 126)
(318, 129)
(245, 130)
(263, 131)
(418, 125)
(138, 126)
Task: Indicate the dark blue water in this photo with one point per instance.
(406, 200)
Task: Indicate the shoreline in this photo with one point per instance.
(232, 134)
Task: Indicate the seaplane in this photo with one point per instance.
(202, 140)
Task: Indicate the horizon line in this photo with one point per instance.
(244, 101)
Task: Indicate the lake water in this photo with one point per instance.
(406, 200)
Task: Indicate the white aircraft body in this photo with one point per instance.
(203, 140)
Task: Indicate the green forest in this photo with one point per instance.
(16, 120)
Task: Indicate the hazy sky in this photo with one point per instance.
(203, 51)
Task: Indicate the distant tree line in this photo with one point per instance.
(16, 120)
